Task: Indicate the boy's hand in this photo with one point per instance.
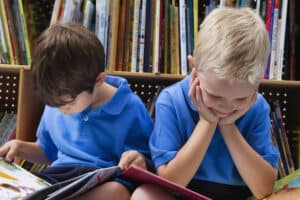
(132, 157)
(10, 150)
(196, 97)
(237, 114)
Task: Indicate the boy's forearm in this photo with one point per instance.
(32, 152)
(257, 173)
(183, 167)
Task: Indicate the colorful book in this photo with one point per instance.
(16, 182)
(145, 177)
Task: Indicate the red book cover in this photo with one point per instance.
(143, 176)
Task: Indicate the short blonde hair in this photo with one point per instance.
(233, 43)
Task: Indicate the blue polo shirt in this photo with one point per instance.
(176, 118)
(97, 137)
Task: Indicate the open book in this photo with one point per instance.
(142, 176)
(16, 182)
(286, 188)
(37, 189)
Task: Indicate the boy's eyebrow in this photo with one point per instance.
(211, 93)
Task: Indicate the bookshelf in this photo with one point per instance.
(17, 96)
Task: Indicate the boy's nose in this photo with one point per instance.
(226, 107)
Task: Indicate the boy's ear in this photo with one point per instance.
(100, 79)
(191, 62)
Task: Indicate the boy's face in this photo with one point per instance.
(76, 105)
(225, 96)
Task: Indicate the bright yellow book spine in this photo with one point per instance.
(195, 8)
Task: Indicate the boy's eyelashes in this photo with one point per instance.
(218, 97)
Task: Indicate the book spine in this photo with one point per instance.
(102, 9)
(11, 30)
(183, 36)
(25, 32)
(121, 35)
(155, 52)
(3, 46)
(19, 31)
(273, 63)
(88, 12)
(55, 12)
(142, 36)
(6, 32)
(282, 37)
(257, 9)
(166, 32)
(129, 35)
(113, 34)
(195, 13)
(148, 30)
(135, 33)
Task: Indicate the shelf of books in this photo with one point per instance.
(137, 35)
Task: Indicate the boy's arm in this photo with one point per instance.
(30, 151)
(182, 168)
(257, 173)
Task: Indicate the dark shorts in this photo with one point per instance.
(58, 174)
(218, 191)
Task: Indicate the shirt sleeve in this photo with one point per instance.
(141, 126)
(166, 138)
(260, 136)
(44, 139)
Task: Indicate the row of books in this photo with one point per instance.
(14, 45)
(280, 140)
(157, 36)
(18, 28)
(138, 35)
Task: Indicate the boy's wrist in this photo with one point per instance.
(205, 122)
(226, 128)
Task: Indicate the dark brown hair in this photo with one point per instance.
(66, 61)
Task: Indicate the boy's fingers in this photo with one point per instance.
(10, 155)
(192, 87)
(127, 158)
(190, 60)
(192, 91)
(3, 150)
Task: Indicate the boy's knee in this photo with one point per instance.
(150, 192)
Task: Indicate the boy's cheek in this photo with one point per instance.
(208, 102)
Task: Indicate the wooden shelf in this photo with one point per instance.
(13, 68)
(147, 75)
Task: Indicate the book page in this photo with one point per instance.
(85, 183)
(16, 182)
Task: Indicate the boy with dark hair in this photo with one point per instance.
(90, 120)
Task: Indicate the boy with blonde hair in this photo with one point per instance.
(212, 129)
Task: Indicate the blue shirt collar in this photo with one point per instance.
(118, 102)
(185, 85)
